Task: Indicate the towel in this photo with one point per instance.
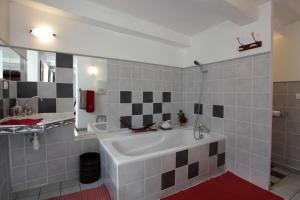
(82, 103)
(90, 101)
(29, 122)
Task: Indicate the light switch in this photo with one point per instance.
(297, 96)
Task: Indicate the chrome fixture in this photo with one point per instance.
(101, 118)
(28, 110)
(201, 128)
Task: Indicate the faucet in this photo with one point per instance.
(202, 128)
(28, 110)
(101, 118)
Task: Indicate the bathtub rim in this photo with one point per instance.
(120, 159)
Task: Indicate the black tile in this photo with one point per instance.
(166, 116)
(64, 90)
(147, 97)
(166, 96)
(182, 158)
(127, 120)
(64, 60)
(198, 108)
(47, 106)
(137, 109)
(6, 94)
(12, 102)
(277, 174)
(193, 170)
(157, 108)
(213, 148)
(1, 109)
(147, 119)
(167, 179)
(26, 89)
(218, 111)
(125, 97)
(221, 159)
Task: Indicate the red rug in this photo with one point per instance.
(225, 187)
(99, 193)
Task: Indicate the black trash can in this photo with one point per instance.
(89, 167)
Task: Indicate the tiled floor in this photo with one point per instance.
(53, 190)
(288, 187)
(277, 175)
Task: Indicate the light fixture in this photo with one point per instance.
(43, 33)
(277, 36)
(92, 70)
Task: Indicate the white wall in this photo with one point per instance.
(33, 65)
(4, 20)
(80, 38)
(219, 43)
(286, 59)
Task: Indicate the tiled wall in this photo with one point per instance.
(58, 157)
(286, 129)
(236, 101)
(56, 160)
(162, 175)
(5, 186)
(142, 93)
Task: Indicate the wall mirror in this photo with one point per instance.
(19, 64)
(60, 79)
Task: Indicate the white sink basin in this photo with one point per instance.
(98, 127)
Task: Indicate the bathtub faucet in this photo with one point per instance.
(203, 129)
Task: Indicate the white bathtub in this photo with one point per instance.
(146, 165)
(147, 145)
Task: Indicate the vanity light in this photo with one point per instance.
(92, 70)
(43, 33)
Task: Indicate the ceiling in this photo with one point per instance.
(184, 16)
(288, 11)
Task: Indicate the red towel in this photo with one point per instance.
(90, 101)
(28, 122)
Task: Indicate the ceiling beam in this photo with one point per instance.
(97, 15)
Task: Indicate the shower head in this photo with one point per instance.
(197, 63)
(200, 66)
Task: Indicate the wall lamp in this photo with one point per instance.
(43, 33)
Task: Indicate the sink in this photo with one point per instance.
(98, 127)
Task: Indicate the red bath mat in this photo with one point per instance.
(99, 193)
(225, 187)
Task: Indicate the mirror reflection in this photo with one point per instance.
(16, 63)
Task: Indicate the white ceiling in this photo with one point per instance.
(287, 11)
(184, 16)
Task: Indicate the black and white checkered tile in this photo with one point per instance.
(57, 96)
(182, 159)
(143, 108)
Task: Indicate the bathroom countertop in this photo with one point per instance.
(48, 119)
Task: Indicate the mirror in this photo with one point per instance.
(90, 75)
(16, 63)
(58, 79)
